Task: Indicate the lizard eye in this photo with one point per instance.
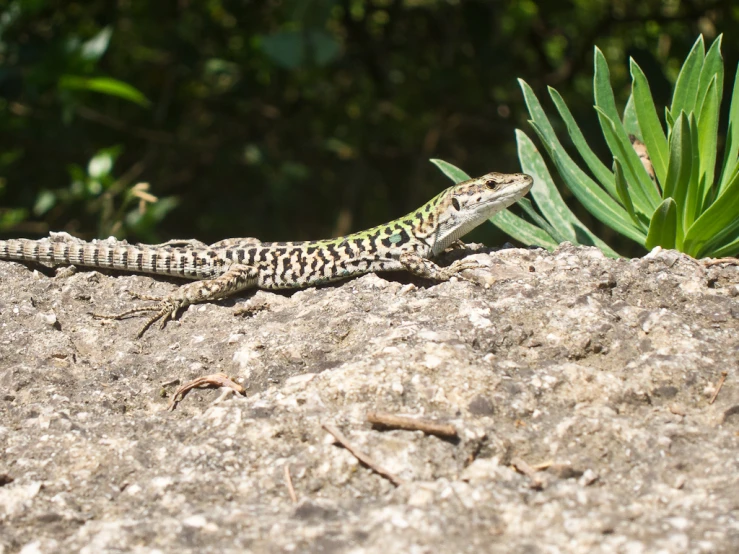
(455, 204)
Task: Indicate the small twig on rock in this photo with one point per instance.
(718, 387)
(214, 380)
(411, 424)
(366, 460)
(524, 468)
(289, 483)
(716, 261)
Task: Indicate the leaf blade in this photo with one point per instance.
(452, 171)
(598, 168)
(663, 226)
(715, 223)
(731, 149)
(713, 66)
(104, 85)
(642, 187)
(686, 87)
(651, 128)
(645, 195)
(522, 230)
(549, 200)
(679, 169)
(623, 191)
(595, 199)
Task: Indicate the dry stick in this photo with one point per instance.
(412, 424)
(528, 471)
(214, 380)
(717, 261)
(289, 483)
(366, 460)
(543, 465)
(718, 387)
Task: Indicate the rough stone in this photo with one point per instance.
(597, 373)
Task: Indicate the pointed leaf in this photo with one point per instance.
(93, 49)
(719, 243)
(669, 120)
(679, 159)
(542, 223)
(544, 192)
(651, 128)
(643, 191)
(729, 249)
(715, 223)
(731, 148)
(679, 170)
(707, 135)
(539, 117)
(623, 190)
(602, 90)
(104, 85)
(663, 226)
(453, 172)
(522, 230)
(631, 121)
(550, 202)
(686, 87)
(687, 205)
(713, 66)
(601, 172)
(595, 200)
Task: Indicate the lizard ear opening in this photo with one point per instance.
(455, 204)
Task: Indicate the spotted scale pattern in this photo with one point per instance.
(232, 265)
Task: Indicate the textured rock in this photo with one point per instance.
(596, 373)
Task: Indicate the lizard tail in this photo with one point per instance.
(63, 249)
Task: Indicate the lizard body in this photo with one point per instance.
(229, 266)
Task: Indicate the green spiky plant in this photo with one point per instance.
(662, 188)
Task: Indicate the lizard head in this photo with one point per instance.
(466, 205)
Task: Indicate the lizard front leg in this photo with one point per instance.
(423, 267)
(238, 277)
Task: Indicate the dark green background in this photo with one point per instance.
(299, 119)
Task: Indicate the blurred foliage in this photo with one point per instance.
(293, 119)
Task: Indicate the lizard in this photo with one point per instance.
(234, 265)
(231, 266)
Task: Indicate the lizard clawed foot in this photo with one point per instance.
(456, 269)
(166, 308)
(213, 380)
(427, 269)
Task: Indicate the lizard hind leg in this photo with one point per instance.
(166, 308)
(237, 277)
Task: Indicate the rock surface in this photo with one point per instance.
(580, 388)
